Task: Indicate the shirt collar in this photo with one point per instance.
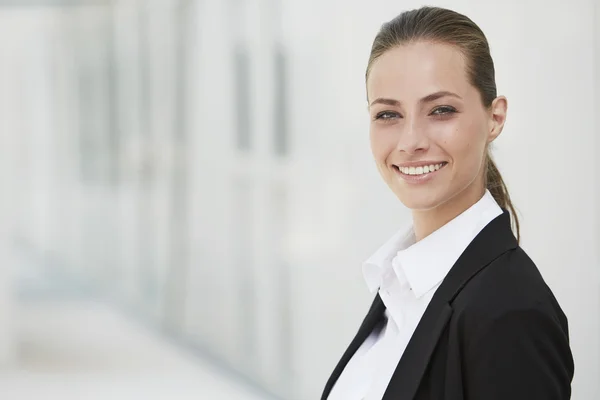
(426, 263)
(379, 264)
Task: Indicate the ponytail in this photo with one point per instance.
(495, 184)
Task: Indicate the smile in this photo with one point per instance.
(422, 170)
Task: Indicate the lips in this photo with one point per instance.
(420, 169)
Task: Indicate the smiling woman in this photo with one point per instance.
(427, 111)
(460, 310)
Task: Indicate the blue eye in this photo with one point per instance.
(444, 110)
(386, 115)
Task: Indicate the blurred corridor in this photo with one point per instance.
(104, 295)
(74, 345)
(187, 189)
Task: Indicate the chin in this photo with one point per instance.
(421, 201)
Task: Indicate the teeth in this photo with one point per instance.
(420, 170)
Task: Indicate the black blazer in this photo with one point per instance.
(493, 331)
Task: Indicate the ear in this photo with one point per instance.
(497, 115)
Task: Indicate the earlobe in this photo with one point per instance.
(495, 130)
(498, 117)
(493, 134)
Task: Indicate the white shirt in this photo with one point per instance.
(407, 275)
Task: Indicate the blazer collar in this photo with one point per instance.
(493, 241)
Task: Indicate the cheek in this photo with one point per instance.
(467, 146)
(380, 146)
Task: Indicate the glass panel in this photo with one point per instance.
(241, 236)
(242, 96)
(281, 138)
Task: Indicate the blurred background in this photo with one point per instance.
(187, 190)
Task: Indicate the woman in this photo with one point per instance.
(460, 312)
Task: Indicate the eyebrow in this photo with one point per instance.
(427, 99)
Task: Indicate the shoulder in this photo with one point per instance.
(510, 333)
(510, 286)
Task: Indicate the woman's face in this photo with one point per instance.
(429, 128)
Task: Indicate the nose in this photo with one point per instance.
(412, 138)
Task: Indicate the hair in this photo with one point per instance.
(449, 27)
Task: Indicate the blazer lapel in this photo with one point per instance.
(494, 240)
(374, 316)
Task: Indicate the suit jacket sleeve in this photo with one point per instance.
(519, 355)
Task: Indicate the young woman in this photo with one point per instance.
(460, 310)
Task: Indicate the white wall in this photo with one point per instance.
(544, 60)
(6, 202)
(597, 164)
(23, 145)
(235, 196)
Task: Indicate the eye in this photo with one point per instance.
(387, 115)
(444, 110)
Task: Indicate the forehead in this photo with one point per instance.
(418, 69)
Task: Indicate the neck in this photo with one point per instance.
(425, 222)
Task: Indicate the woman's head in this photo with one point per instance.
(433, 106)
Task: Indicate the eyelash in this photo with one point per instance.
(447, 110)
